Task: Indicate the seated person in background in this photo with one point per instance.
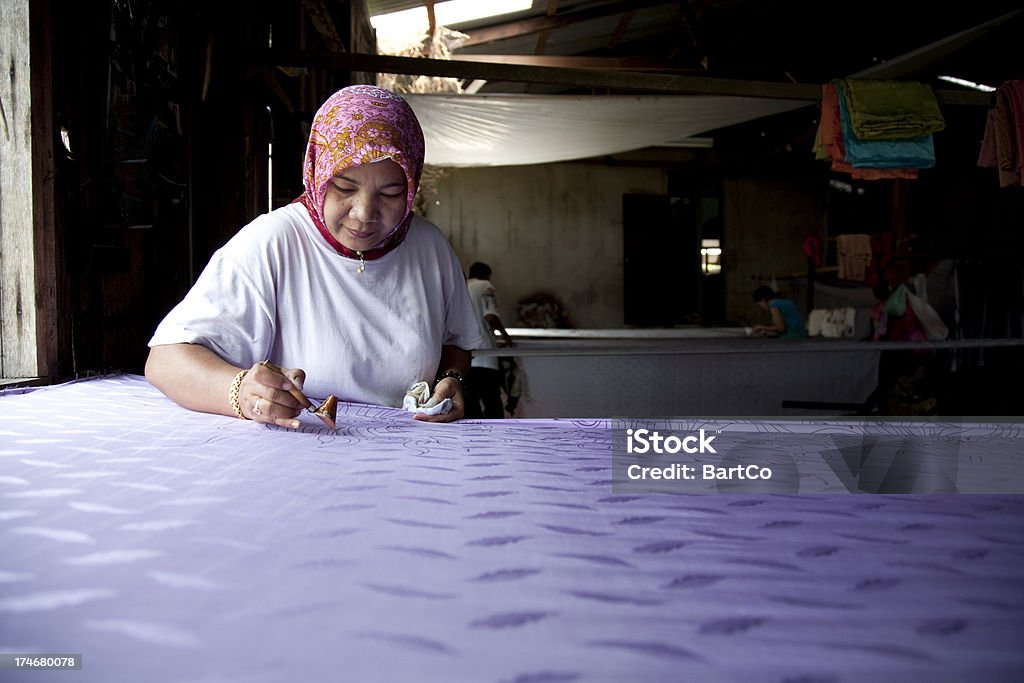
(344, 290)
(786, 318)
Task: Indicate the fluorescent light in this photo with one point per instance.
(458, 11)
(967, 84)
(448, 13)
(399, 31)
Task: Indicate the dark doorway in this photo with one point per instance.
(660, 264)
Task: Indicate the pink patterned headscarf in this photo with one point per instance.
(359, 125)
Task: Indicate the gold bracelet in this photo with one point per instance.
(236, 384)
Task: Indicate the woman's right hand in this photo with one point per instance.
(264, 394)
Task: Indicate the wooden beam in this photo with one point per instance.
(621, 29)
(431, 18)
(633, 81)
(525, 27)
(542, 38)
(581, 62)
(582, 78)
(324, 24)
(267, 77)
(28, 298)
(915, 60)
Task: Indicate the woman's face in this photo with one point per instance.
(365, 203)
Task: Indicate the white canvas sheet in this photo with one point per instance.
(509, 130)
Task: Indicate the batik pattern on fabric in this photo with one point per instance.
(166, 545)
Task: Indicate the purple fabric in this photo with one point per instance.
(168, 545)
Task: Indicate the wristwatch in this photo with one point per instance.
(454, 375)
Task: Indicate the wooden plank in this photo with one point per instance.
(28, 332)
(324, 24)
(647, 64)
(17, 268)
(542, 37)
(631, 81)
(916, 60)
(363, 37)
(43, 191)
(14, 382)
(621, 29)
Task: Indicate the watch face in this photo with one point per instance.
(452, 374)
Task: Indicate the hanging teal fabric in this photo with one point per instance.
(916, 152)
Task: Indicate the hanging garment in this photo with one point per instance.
(854, 256)
(1004, 128)
(829, 143)
(918, 152)
(934, 328)
(892, 110)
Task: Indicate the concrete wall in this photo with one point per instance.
(554, 228)
(766, 221)
(557, 228)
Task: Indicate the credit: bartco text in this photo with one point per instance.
(689, 472)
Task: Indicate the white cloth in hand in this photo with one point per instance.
(418, 400)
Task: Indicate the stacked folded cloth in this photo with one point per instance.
(878, 129)
(1003, 145)
(832, 322)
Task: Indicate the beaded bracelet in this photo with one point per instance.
(236, 384)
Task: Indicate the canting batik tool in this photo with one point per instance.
(326, 411)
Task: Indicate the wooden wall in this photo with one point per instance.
(29, 262)
(168, 115)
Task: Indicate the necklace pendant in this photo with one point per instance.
(362, 263)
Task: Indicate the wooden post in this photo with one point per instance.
(28, 296)
(900, 217)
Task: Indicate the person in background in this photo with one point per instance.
(345, 291)
(787, 320)
(485, 378)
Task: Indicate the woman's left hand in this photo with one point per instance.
(448, 387)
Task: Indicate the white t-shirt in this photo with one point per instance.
(277, 290)
(485, 302)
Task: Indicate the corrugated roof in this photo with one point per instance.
(803, 41)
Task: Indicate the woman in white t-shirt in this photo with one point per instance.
(345, 291)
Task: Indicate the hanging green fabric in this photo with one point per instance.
(892, 110)
(896, 304)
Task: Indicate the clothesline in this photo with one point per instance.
(762, 277)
